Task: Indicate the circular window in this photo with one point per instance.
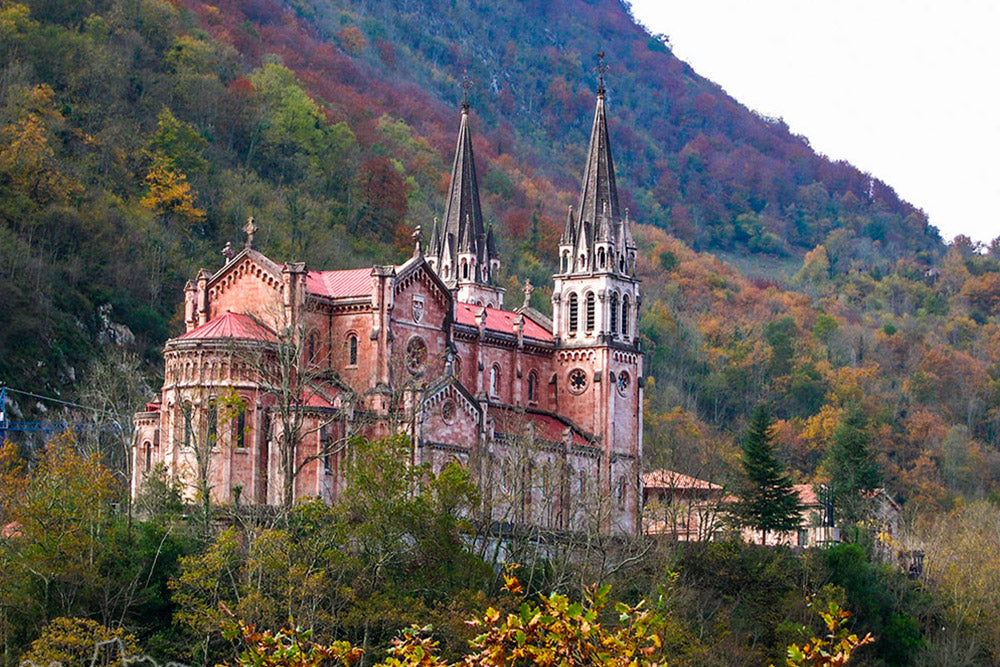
(416, 355)
(577, 380)
(624, 381)
(448, 412)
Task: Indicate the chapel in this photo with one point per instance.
(280, 365)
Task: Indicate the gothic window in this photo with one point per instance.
(621, 263)
(495, 380)
(532, 387)
(614, 313)
(416, 354)
(602, 257)
(465, 270)
(577, 380)
(574, 315)
(565, 262)
(591, 311)
(352, 350)
(311, 347)
(583, 262)
(149, 455)
(625, 315)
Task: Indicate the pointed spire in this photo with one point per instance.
(463, 219)
(434, 244)
(569, 233)
(599, 185)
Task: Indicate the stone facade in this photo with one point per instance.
(280, 364)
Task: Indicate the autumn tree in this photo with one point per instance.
(767, 500)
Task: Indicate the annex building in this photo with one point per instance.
(280, 364)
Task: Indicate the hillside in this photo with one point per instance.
(138, 137)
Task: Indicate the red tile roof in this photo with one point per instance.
(499, 320)
(807, 495)
(547, 427)
(340, 284)
(231, 325)
(668, 479)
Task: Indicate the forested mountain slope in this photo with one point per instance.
(137, 137)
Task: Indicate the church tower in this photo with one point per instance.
(594, 306)
(462, 251)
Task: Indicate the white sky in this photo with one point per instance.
(908, 90)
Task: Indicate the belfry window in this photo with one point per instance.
(591, 311)
(574, 315)
(625, 315)
(614, 313)
(602, 257)
(465, 270)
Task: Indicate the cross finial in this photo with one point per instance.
(527, 289)
(601, 69)
(250, 229)
(466, 87)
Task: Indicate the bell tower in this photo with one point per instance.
(595, 299)
(463, 251)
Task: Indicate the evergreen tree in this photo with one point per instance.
(854, 474)
(766, 499)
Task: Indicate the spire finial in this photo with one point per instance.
(466, 87)
(250, 230)
(601, 69)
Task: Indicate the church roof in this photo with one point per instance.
(231, 325)
(500, 320)
(340, 284)
(547, 426)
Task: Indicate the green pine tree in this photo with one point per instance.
(853, 471)
(767, 500)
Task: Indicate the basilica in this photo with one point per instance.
(282, 365)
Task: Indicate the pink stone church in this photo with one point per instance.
(281, 364)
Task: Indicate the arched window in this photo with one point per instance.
(591, 311)
(186, 417)
(574, 315)
(625, 315)
(352, 350)
(240, 426)
(583, 262)
(532, 387)
(495, 380)
(602, 257)
(149, 455)
(213, 423)
(465, 270)
(565, 262)
(614, 313)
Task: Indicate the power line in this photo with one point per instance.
(55, 400)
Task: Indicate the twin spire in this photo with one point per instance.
(597, 238)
